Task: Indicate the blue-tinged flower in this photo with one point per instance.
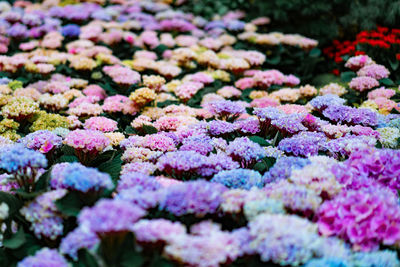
(239, 178)
(327, 262)
(71, 30)
(75, 176)
(384, 258)
(283, 168)
(245, 151)
(16, 158)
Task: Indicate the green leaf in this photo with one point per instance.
(67, 158)
(378, 144)
(159, 261)
(70, 204)
(259, 140)
(16, 241)
(67, 150)
(104, 157)
(43, 182)
(315, 52)
(129, 130)
(394, 64)
(386, 82)
(269, 161)
(260, 167)
(85, 259)
(149, 129)
(113, 167)
(167, 103)
(347, 76)
(129, 256)
(27, 195)
(274, 60)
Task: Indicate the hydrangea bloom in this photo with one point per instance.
(245, 151)
(283, 239)
(110, 216)
(195, 197)
(43, 141)
(239, 178)
(75, 176)
(44, 216)
(45, 257)
(365, 218)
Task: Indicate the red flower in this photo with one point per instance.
(336, 72)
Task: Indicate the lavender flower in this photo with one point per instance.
(195, 197)
(226, 109)
(245, 151)
(140, 197)
(283, 168)
(44, 216)
(134, 179)
(303, 144)
(322, 102)
(181, 164)
(76, 240)
(44, 258)
(290, 124)
(110, 216)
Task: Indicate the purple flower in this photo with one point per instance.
(110, 216)
(76, 240)
(283, 239)
(283, 168)
(365, 218)
(245, 151)
(382, 165)
(44, 216)
(18, 30)
(181, 163)
(226, 109)
(195, 197)
(134, 179)
(290, 124)
(219, 128)
(303, 144)
(200, 144)
(44, 258)
(140, 197)
(322, 102)
(248, 126)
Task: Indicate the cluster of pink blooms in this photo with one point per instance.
(122, 75)
(87, 140)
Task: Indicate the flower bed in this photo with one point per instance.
(135, 134)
